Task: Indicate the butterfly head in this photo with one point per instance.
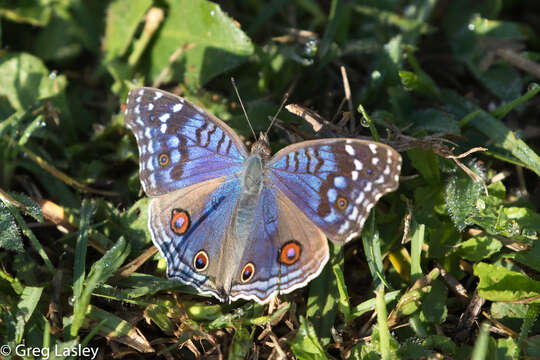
(261, 146)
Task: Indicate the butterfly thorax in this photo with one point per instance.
(261, 147)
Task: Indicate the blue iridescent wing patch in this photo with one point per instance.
(179, 144)
(336, 182)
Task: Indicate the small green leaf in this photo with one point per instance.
(506, 349)
(123, 17)
(530, 257)
(25, 308)
(36, 13)
(10, 238)
(493, 129)
(420, 83)
(434, 308)
(209, 41)
(241, 343)
(442, 343)
(500, 284)
(427, 164)
(434, 121)
(324, 295)
(479, 248)
(31, 207)
(461, 195)
(305, 344)
(25, 79)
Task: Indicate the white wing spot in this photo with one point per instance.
(137, 110)
(163, 128)
(375, 161)
(340, 182)
(368, 187)
(157, 95)
(354, 175)
(163, 118)
(349, 149)
(358, 164)
(148, 132)
(386, 170)
(396, 178)
(379, 180)
(138, 99)
(344, 227)
(359, 198)
(150, 106)
(139, 121)
(354, 214)
(373, 148)
(177, 107)
(152, 178)
(141, 91)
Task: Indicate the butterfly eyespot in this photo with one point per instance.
(247, 272)
(163, 159)
(290, 252)
(200, 261)
(180, 221)
(341, 203)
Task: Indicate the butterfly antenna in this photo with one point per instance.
(243, 108)
(285, 97)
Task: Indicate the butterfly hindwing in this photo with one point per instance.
(283, 252)
(189, 226)
(336, 182)
(179, 144)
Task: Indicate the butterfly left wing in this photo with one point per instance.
(179, 144)
(189, 226)
(336, 182)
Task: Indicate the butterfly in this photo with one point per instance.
(247, 225)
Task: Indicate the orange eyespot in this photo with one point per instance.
(247, 272)
(290, 252)
(163, 159)
(341, 203)
(200, 261)
(180, 221)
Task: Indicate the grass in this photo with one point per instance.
(447, 266)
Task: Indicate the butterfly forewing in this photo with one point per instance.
(336, 182)
(179, 144)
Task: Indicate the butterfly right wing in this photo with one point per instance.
(336, 182)
(179, 144)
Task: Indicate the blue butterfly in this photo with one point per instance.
(238, 224)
